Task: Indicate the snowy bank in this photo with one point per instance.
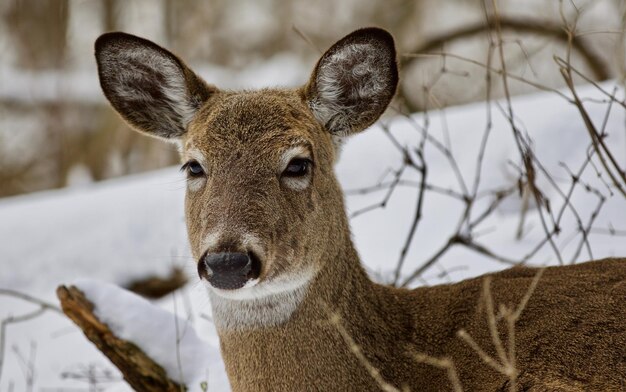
(166, 338)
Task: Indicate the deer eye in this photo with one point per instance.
(193, 169)
(297, 167)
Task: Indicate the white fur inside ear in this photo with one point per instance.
(348, 81)
(154, 82)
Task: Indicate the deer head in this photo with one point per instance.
(264, 210)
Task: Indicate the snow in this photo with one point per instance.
(115, 231)
(164, 337)
(79, 175)
(559, 137)
(132, 227)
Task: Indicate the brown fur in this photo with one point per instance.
(571, 335)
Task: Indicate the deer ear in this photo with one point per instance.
(354, 81)
(150, 88)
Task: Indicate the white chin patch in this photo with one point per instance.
(250, 283)
(253, 289)
(232, 294)
(259, 303)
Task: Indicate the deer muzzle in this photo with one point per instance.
(229, 270)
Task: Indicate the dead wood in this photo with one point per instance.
(141, 372)
(155, 287)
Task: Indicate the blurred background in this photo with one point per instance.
(56, 129)
(539, 191)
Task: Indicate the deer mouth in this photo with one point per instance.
(229, 271)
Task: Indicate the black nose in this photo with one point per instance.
(228, 270)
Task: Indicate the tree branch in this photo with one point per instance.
(141, 372)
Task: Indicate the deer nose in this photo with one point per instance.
(229, 270)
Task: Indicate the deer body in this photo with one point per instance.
(571, 336)
(267, 224)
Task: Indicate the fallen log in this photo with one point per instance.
(141, 372)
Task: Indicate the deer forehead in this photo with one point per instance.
(265, 127)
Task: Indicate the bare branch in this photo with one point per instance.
(442, 363)
(546, 28)
(335, 320)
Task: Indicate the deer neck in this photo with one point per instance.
(271, 356)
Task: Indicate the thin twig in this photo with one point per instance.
(335, 320)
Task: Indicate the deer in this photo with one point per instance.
(267, 227)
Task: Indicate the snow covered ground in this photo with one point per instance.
(131, 227)
(166, 338)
